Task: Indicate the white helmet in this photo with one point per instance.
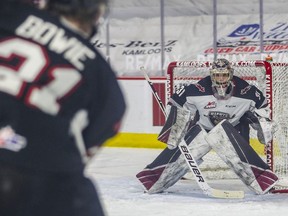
(221, 74)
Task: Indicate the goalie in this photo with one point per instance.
(214, 113)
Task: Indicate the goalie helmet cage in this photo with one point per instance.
(272, 80)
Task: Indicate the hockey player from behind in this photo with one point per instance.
(219, 109)
(59, 102)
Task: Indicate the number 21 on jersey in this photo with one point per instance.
(33, 62)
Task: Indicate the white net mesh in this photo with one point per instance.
(280, 115)
(257, 73)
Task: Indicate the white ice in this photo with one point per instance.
(114, 170)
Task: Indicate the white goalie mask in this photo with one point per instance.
(221, 74)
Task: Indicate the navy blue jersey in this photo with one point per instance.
(53, 85)
(200, 97)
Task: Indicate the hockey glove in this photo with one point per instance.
(264, 126)
(266, 130)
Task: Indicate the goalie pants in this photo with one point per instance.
(31, 193)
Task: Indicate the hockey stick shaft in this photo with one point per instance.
(154, 92)
(192, 164)
(201, 181)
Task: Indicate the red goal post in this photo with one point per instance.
(270, 78)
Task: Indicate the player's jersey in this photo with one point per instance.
(199, 97)
(56, 92)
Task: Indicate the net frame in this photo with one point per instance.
(266, 87)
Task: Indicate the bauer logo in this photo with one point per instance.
(192, 163)
(245, 30)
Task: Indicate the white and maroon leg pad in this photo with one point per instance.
(241, 158)
(170, 165)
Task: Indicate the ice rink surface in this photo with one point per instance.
(114, 170)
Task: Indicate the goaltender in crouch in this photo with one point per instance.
(219, 109)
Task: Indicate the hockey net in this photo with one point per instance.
(272, 80)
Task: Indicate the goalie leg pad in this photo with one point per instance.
(241, 158)
(170, 165)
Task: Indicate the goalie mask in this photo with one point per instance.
(221, 74)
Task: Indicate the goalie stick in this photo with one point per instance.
(192, 164)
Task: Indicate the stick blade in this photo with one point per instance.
(225, 194)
